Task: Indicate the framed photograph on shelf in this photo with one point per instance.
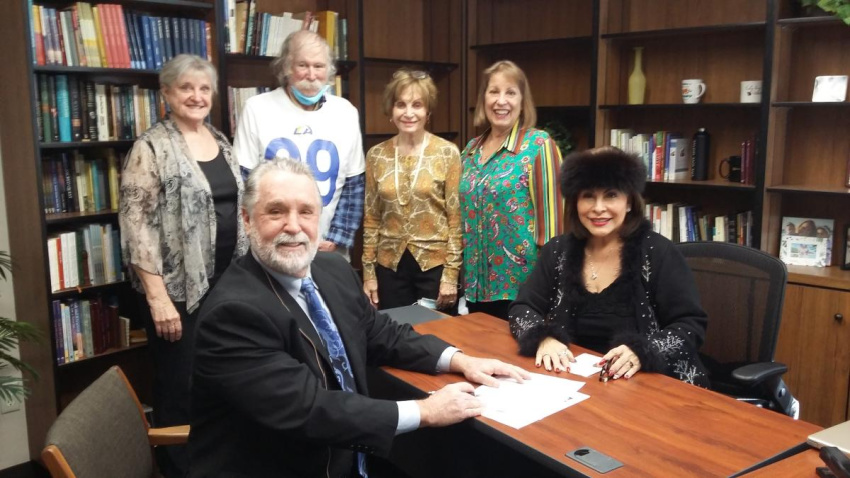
(845, 264)
(806, 241)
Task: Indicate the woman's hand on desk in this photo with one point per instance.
(481, 370)
(451, 404)
(553, 354)
(624, 362)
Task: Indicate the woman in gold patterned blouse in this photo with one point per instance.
(411, 228)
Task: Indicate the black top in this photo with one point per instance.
(604, 315)
(667, 323)
(225, 194)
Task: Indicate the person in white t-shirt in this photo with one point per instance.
(300, 120)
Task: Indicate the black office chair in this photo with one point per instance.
(742, 290)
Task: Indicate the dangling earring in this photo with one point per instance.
(629, 209)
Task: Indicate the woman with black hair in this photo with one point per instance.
(611, 285)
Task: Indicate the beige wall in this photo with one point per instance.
(13, 426)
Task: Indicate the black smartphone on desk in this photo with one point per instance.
(591, 458)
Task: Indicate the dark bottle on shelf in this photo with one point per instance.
(701, 147)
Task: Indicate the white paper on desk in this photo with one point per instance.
(585, 365)
(520, 404)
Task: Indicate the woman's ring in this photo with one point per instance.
(562, 353)
(631, 365)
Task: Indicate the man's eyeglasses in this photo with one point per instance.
(418, 74)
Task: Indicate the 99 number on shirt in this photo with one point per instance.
(284, 147)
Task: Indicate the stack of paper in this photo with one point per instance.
(518, 405)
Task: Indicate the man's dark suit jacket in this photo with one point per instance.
(265, 401)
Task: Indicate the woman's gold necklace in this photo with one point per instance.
(415, 174)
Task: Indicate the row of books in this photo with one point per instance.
(236, 98)
(686, 223)
(87, 327)
(75, 110)
(106, 36)
(72, 182)
(259, 33)
(666, 155)
(87, 256)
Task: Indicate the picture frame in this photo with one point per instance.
(845, 264)
(806, 241)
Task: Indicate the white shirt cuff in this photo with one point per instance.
(445, 362)
(408, 416)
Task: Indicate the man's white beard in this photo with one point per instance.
(291, 263)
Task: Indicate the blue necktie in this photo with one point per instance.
(336, 349)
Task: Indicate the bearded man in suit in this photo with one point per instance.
(283, 342)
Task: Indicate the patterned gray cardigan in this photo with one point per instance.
(167, 215)
(669, 320)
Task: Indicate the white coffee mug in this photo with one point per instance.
(751, 91)
(692, 91)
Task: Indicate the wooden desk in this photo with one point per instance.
(655, 425)
(801, 465)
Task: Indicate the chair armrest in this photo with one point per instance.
(755, 373)
(178, 435)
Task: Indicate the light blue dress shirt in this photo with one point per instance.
(408, 411)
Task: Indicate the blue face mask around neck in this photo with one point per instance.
(308, 100)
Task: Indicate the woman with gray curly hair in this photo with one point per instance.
(179, 204)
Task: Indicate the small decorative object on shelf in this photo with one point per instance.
(845, 264)
(806, 241)
(831, 88)
(637, 80)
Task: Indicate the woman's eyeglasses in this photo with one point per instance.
(418, 74)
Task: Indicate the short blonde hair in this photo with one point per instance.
(528, 113)
(404, 78)
(183, 63)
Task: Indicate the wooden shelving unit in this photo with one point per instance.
(23, 163)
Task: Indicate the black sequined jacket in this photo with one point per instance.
(669, 320)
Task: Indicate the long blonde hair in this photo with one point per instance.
(528, 114)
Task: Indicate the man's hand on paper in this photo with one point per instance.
(553, 354)
(481, 370)
(451, 404)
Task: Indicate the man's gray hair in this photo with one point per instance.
(285, 165)
(282, 65)
(176, 67)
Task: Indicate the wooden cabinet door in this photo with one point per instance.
(816, 347)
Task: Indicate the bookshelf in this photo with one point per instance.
(808, 150)
(420, 34)
(246, 70)
(720, 43)
(27, 159)
(563, 90)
